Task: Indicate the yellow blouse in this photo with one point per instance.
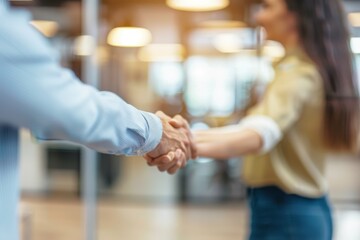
(295, 101)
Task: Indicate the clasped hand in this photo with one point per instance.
(176, 146)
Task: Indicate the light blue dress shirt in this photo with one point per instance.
(37, 94)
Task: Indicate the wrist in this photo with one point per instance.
(154, 133)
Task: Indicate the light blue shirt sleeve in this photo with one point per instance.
(38, 94)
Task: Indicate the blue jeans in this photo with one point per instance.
(276, 215)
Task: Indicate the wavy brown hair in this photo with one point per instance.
(325, 37)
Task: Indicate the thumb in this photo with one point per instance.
(176, 123)
(162, 115)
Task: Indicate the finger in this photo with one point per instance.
(179, 118)
(165, 159)
(176, 158)
(163, 115)
(148, 158)
(183, 146)
(178, 122)
(179, 164)
(183, 160)
(185, 124)
(180, 156)
(174, 168)
(166, 167)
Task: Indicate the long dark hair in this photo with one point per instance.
(325, 37)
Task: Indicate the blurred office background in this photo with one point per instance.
(205, 60)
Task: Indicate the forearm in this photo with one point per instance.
(36, 93)
(220, 130)
(224, 145)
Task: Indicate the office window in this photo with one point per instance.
(166, 78)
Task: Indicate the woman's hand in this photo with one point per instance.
(175, 159)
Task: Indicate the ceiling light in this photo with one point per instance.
(47, 28)
(354, 19)
(222, 24)
(129, 37)
(197, 5)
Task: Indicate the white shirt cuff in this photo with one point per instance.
(155, 132)
(266, 127)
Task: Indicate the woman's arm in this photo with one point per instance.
(224, 144)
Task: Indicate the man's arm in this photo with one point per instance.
(36, 93)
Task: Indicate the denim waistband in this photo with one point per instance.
(274, 195)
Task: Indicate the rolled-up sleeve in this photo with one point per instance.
(282, 104)
(38, 94)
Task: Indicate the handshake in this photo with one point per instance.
(176, 146)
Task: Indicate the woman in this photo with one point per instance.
(311, 108)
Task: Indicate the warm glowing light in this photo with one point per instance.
(273, 50)
(222, 24)
(129, 37)
(162, 53)
(197, 5)
(227, 43)
(84, 45)
(354, 19)
(47, 28)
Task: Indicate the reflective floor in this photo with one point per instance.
(62, 220)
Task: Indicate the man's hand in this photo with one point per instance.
(171, 162)
(176, 146)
